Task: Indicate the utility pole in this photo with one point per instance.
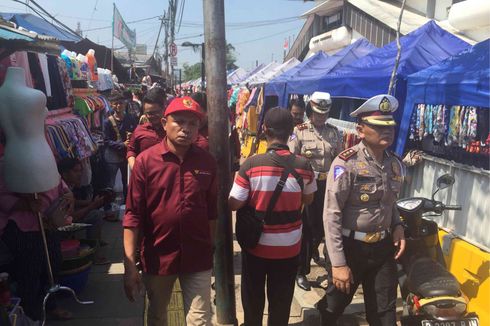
(159, 32)
(219, 126)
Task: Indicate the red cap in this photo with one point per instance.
(184, 104)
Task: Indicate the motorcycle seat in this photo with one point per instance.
(427, 278)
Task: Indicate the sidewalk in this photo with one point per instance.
(111, 308)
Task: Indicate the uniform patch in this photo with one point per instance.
(302, 126)
(292, 137)
(385, 105)
(368, 188)
(364, 172)
(347, 154)
(361, 165)
(338, 171)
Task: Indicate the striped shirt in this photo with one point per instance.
(256, 182)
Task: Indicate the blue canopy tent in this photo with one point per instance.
(463, 79)
(277, 86)
(40, 26)
(370, 75)
(308, 79)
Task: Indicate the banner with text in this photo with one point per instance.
(121, 31)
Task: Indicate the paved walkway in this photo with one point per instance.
(111, 308)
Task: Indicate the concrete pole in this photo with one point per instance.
(219, 126)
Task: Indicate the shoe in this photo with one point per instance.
(303, 282)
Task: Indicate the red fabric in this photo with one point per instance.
(172, 202)
(184, 104)
(144, 137)
(203, 139)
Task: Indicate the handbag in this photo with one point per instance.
(249, 226)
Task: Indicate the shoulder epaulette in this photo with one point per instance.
(302, 126)
(331, 126)
(347, 154)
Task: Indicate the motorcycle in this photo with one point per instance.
(432, 295)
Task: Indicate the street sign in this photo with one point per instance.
(173, 50)
(173, 61)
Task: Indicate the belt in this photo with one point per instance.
(368, 237)
(321, 176)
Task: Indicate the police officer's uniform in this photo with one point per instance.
(359, 215)
(319, 146)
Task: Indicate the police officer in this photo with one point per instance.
(364, 234)
(319, 142)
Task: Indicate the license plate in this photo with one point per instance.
(461, 322)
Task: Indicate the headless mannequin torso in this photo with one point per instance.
(28, 163)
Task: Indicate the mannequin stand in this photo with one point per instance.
(53, 288)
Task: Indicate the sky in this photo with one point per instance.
(253, 43)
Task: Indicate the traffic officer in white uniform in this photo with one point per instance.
(363, 230)
(319, 142)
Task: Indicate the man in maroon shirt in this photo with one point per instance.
(171, 210)
(149, 133)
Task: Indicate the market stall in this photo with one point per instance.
(370, 75)
(447, 117)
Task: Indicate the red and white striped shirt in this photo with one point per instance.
(256, 182)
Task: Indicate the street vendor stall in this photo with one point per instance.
(447, 116)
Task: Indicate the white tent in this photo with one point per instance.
(276, 71)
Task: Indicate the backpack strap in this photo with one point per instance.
(287, 163)
(114, 126)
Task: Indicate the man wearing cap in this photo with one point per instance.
(363, 231)
(171, 210)
(319, 142)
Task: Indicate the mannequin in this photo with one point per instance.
(92, 65)
(29, 164)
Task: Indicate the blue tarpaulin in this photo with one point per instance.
(277, 86)
(308, 79)
(370, 75)
(40, 26)
(459, 80)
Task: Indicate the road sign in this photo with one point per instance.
(173, 50)
(173, 61)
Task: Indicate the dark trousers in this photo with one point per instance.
(312, 229)
(373, 266)
(112, 169)
(28, 268)
(278, 276)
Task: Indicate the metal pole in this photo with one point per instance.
(218, 124)
(203, 66)
(399, 51)
(112, 51)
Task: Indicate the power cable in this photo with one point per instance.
(50, 16)
(264, 37)
(131, 22)
(93, 12)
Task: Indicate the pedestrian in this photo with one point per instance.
(117, 132)
(320, 143)
(203, 137)
(171, 210)
(364, 234)
(273, 261)
(297, 109)
(150, 133)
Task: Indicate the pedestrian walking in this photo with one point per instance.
(117, 132)
(272, 262)
(319, 142)
(150, 133)
(364, 234)
(171, 210)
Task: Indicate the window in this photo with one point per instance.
(331, 22)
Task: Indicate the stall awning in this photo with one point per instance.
(370, 75)
(40, 26)
(463, 79)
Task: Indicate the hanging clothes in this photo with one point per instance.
(43, 61)
(58, 99)
(36, 72)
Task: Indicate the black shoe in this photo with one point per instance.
(303, 282)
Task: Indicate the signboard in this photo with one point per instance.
(173, 50)
(173, 61)
(141, 49)
(121, 31)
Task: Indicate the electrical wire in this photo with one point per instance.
(131, 22)
(265, 37)
(181, 15)
(93, 12)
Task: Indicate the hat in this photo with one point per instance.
(377, 111)
(321, 102)
(184, 104)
